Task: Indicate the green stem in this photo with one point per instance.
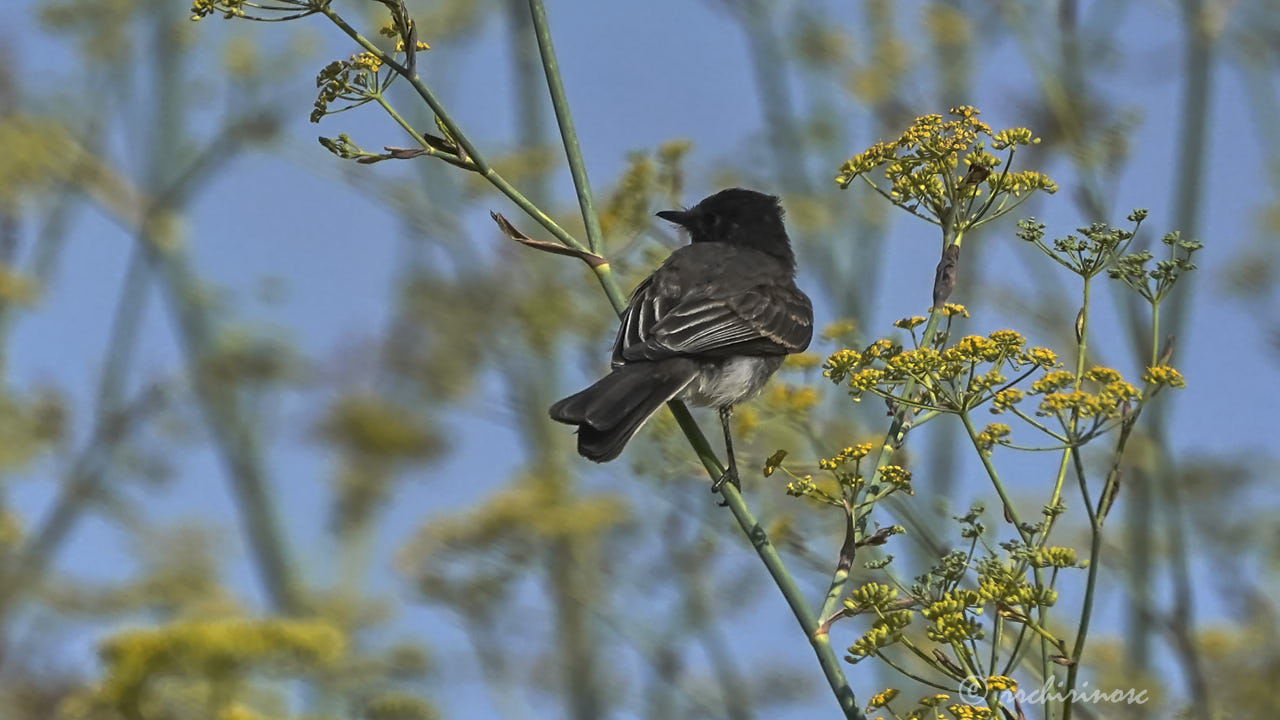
(572, 150)
(404, 125)
(1086, 609)
(995, 478)
(1155, 333)
(481, 165)
(773, 562)
(1082, 340)
(892, 438)
(840, 578)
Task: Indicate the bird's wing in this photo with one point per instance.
(765, 319)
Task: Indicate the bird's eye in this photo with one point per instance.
(713, 221)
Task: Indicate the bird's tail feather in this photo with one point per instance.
(609, 412)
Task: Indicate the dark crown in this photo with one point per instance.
(737, 217)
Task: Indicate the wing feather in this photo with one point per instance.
(762, 320)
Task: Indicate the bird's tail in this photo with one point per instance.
(609, 412)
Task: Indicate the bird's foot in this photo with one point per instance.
(730, 476)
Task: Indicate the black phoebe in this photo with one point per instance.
(710, 326)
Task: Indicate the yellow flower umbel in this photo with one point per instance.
(940, 170)
(1001, 683)
(1160, 375)
(882, 698)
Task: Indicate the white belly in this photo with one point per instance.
(730, 381)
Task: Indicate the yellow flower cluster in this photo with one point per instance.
(1052, 382)
(897, 476)
(908, 323)
(1006, 399)
(954, 628)
(920, 166)
(236, 711)
(840, 363)
(853, 452)
(1002, 683)
(348, 80)
(1164, 375)
(1010, 341)
(1040, 356)
(886, 631)
(1107, 403)
(205, 647)
(992, 435)
(1058, 557)
(866, 379)
(1000, 583)
(838, 329)
(930, 142)
(953, 616)
(801, 487)
(1013, 136)
(872, 596)
(986, 381)
(366, 61)
(970, 712)
(882, 698)
(917, 361)
(976, 347)
(229, 8)
(399, 706)
(421, 46)
(1021, 183)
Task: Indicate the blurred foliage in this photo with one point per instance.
(558, 594)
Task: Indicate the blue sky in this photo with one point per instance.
(637, 74)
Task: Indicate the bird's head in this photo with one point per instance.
(737, 217)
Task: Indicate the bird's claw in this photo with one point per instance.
(730, 476)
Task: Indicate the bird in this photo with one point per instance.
(710, 326)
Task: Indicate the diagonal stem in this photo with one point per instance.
(893, 436)
(572, 150)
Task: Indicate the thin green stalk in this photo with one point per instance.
(773, 562)
(1082, 340)
(1012, 514)
(481, 165)
(1155, 333)
(995, 477)
(840, 578)
(1086, 609)
(572, 150)
(997, 627)
(893, 436)
(603, 272)
(1025, 534)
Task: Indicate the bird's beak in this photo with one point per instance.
(679, 217)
